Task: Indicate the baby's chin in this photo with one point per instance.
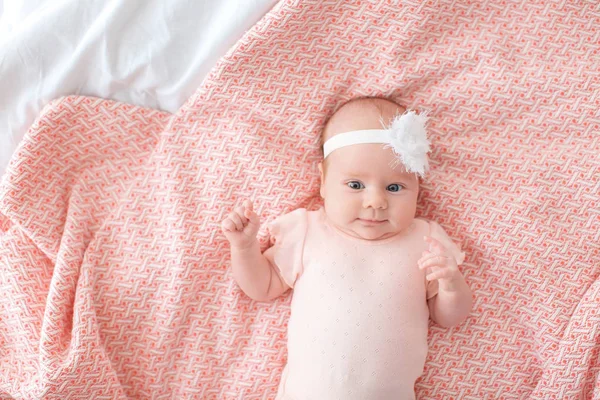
(380, 232)
(372, 236)
(373, 233)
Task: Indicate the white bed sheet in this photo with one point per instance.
(152, 53)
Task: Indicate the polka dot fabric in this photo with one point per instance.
(114, 274)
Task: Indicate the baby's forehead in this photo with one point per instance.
(371, 113)
(353, 118)
(382, 172)
(379, 166)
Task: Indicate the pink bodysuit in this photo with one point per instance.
(359, 315)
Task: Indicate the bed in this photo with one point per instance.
(115, 276)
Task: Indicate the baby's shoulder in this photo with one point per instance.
(302, 215)
(433, 227)
(422, 225)
(288, 229)
(297, 215)
(297, 223)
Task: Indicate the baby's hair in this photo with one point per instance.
(374, 101)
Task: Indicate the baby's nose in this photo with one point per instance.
(375, 199)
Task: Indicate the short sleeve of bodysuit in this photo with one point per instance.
(438, 233)
(287, 237)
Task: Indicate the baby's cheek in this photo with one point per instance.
(405, 217)
(336, 211)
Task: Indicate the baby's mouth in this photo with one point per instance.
(367, 221)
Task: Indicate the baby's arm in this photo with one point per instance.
(451, 305)
(253, 272)
(255, 275)
(454, 299)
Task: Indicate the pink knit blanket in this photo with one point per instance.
(114, 276)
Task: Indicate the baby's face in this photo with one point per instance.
(364, 196)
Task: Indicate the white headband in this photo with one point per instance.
(406, 135)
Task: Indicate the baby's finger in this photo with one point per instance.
(240, 212)
(237, 220)
(253, 218)
(427, 255)
(228, 225)
(248, 205)
(439, 273)
(435, 245)
(435, 261)
(241, 209)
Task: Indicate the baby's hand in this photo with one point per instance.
(241, 226)
(442, 263)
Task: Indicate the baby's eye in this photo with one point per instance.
(355, 185)
(394, 187)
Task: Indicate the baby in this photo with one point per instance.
(366, 274)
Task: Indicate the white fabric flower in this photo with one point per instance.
(408, 140)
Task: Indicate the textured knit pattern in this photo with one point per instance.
(114, 276)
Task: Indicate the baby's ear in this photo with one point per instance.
(321, 189)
